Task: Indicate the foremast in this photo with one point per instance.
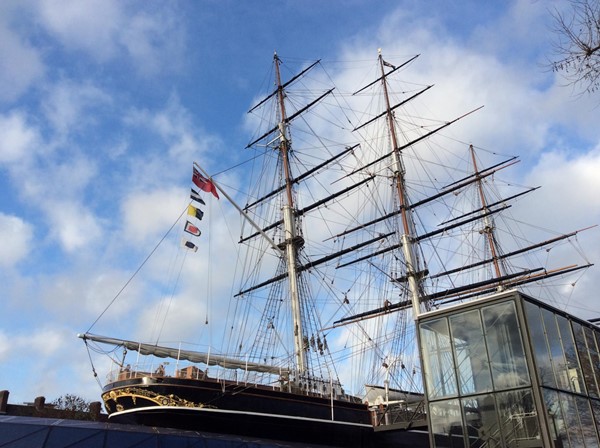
(291, 242)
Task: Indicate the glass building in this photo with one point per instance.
(510, 371)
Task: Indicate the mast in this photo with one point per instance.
(488, 228)
(291, 243)
(407, 238)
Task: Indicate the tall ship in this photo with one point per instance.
(356, 225)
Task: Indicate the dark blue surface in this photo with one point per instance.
(33, 432)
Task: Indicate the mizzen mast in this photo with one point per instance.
(488, 228)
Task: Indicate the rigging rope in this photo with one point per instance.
(137, 270)
(92, 363)
(171, 296)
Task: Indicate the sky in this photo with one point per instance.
(105, 105)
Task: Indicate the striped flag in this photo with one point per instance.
(196, 197)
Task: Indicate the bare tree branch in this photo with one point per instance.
(577, 49)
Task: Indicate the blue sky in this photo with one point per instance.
(104, 105)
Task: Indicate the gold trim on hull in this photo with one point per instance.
(111, 399)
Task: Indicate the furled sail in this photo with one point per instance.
(185, 355)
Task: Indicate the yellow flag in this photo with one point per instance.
(196, 212)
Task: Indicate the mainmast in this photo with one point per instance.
(291, 242)
(407, 237)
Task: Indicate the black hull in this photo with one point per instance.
(231, 408)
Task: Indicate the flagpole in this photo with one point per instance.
(239, 209)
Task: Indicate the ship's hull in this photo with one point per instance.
(233, 408)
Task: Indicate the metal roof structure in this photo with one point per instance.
(35, 432)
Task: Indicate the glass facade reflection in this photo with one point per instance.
(509, 371)
(567, 349)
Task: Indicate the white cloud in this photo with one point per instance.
(68, 106)
(150, 42)
(118, 149)
(62, 187)
(69, 179)
(44, 342)
(81, 295)
(5, 345)
(58, 354)
(72, 224)
(571, 183)
(19, 140)
(154, 42)
(20, 64)
(175, 126)
(40, 344)
(16, 237)
(148, 215)
(90, 26)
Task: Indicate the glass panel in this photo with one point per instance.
(592, 336)
(437, 358)
(596, 413)
(446, 424)
(62, 436)
(585, 357)
(540, 346)
(24, 435)
(518, 417)
(481, 418)
(470, 353)
(505, 346)
(588, 426)
(557, 356)
(571, 360)
(571, 417)
(557, 423)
